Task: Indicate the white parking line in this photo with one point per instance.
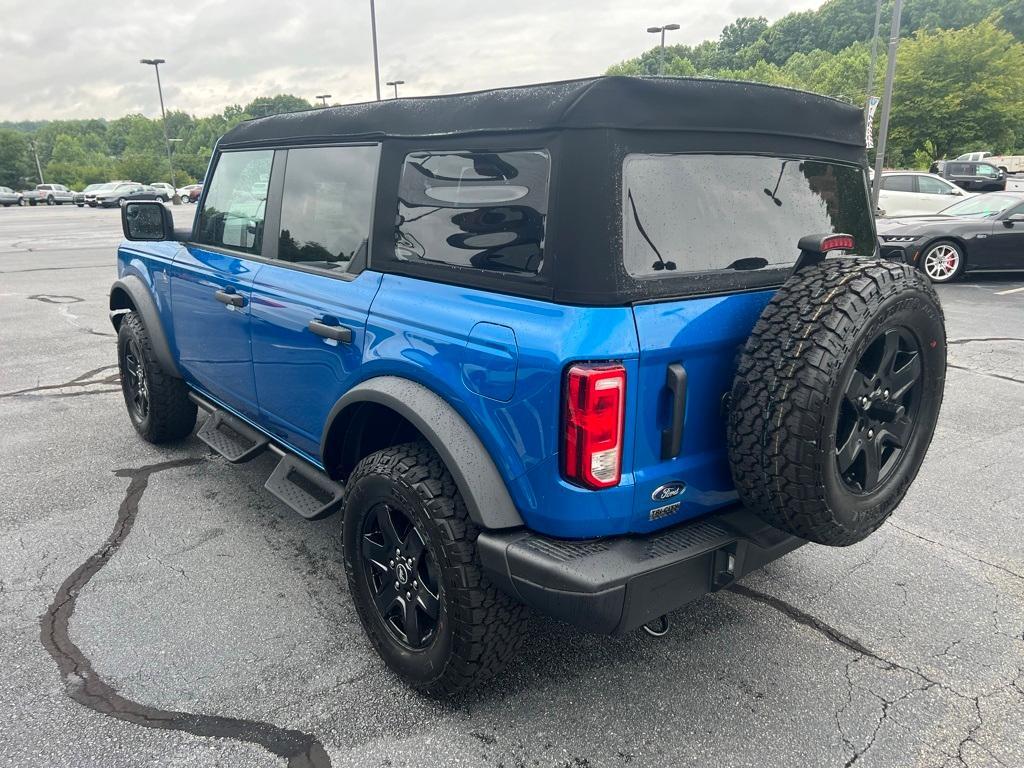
(1012, 290)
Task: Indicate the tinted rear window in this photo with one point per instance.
(484, 210)
(726, 213)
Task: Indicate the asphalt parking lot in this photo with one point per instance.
(159, 608)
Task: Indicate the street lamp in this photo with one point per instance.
(155, 63)
(396, 83)
(323, 98)
(661, 56)
(373, 33)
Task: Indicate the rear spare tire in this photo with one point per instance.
(836, 397)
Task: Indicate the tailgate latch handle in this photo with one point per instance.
(672, 438)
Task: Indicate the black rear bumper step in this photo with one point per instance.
(305, 488)
(614, 585)
(231, 437)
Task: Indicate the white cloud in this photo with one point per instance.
(68, 59)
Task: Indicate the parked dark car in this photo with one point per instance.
(982, 232)
(9, 197)
(598, 347)
(119, 194)
(971, 175)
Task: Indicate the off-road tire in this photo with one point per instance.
(792, 385)
(480, 628)
(171, 415)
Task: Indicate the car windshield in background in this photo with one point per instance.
(982, 206)
(708, 213)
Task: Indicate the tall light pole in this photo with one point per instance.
(661, 56)
(395, 83)
(871, 64)
(323, 98)
(376, 64)
(890, 74)
(155, 63)
(39, 168)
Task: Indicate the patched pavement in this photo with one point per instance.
(159, 608)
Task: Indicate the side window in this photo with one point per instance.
(236, 201)
(484, 210)
(959, 169)
(984, 169)
(327, 206)
(930, 186)
(899, 183)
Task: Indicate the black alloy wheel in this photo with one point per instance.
(135, 385)
(878, 412)
(403, 576)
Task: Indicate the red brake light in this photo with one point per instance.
(595, 396)
(837, 243)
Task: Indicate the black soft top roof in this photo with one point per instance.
(698, 105)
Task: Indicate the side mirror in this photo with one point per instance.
(147, 220)
(1016, 218)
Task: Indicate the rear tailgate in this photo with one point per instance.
(704, 336)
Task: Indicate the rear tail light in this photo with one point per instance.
(595, 396)
(837, 243)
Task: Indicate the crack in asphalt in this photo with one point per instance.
(51, 269)
(951, 342)
(82, 380)
(968, 555)
(836, 636)
(85, 686)
(1000, 376)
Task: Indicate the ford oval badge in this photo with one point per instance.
(668, 490)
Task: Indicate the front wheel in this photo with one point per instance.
(414, 576)
(943, 261)
(50, 201)
(157, 402)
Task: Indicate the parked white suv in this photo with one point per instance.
(905, 193)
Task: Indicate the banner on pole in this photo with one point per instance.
(872, 106)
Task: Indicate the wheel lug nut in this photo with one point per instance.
(408, 595)
(396, 585)
(871, 433)
(391, 564)
(415, 585)
(886, 393)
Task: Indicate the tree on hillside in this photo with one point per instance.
(960, 90)
(16, 166)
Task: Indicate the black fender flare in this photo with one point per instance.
(130, 293)
(481, 485)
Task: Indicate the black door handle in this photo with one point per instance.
(233, 299)
(672, 438)
(336, 332)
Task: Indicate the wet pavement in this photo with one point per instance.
(159, 608)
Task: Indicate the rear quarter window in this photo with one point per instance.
(692, 213)
(476, 209)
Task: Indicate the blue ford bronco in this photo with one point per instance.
(594, 348)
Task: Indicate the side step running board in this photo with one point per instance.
(231, 437)
(305, 488)
(295, 482)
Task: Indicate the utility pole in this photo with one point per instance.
(871, 66)
(376, 64)
(155, 63)
(39, 168)
(890, 75)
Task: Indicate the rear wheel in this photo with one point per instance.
(943, 261)
(157, 401)
(836, 398)
(413, 573)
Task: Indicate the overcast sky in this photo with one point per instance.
(72, 59)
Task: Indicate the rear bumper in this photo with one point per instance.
(614, 585)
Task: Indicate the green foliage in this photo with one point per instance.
(958, 82)
(81, 152)
(958, 90)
